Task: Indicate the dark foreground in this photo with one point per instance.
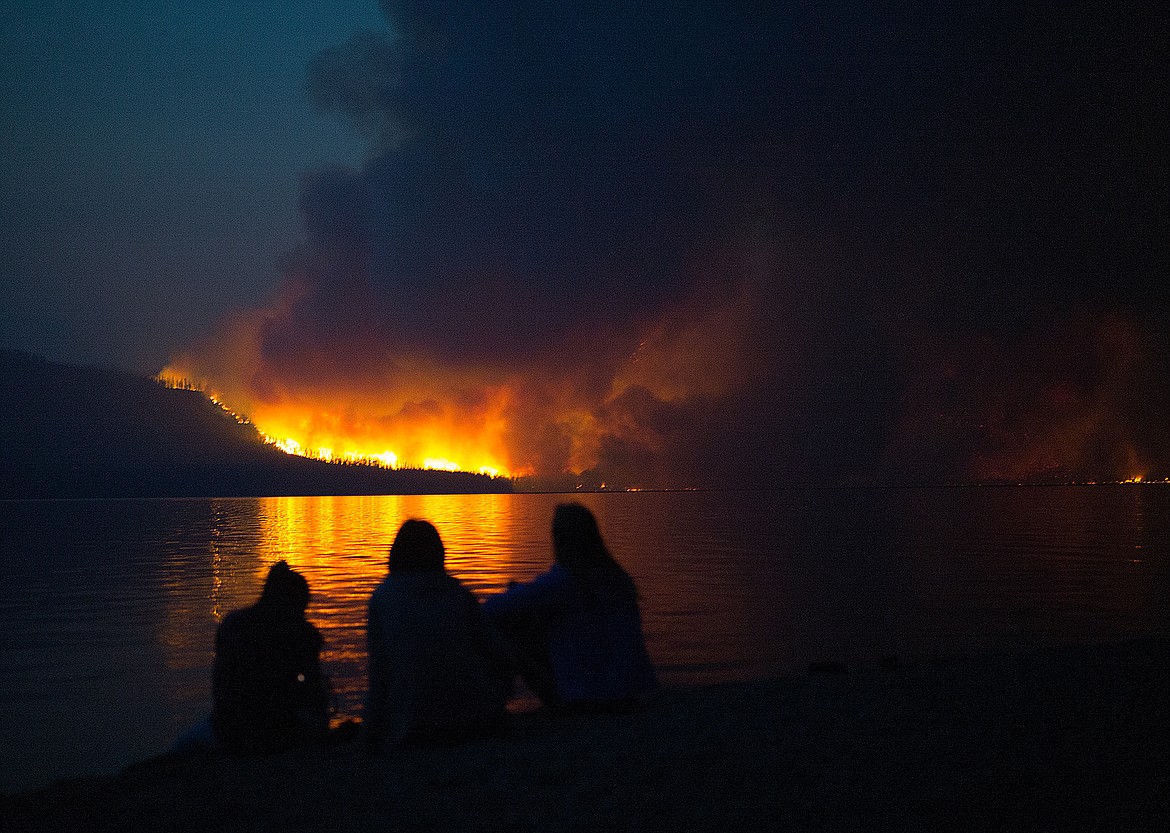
(1067, 739)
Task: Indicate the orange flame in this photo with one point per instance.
(411, 409)
(392, 432)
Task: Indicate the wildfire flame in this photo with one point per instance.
(334, 435)
(575, 409)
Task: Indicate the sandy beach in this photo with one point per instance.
(1058, 739)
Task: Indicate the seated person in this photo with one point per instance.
(577, 628)
(268, 692)
(437, 672)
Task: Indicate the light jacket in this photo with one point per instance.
(595, 642)
(434, 664)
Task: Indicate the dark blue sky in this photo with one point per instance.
(848, 237)
(149, 165)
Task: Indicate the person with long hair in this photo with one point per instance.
(268, 692)
(437, 672)
(578, 627)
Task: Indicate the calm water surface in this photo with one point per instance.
(108, 609)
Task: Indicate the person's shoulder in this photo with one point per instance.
(546, 588)
(234, 629)
(448, 586)
(313, 633)
(557, 572)
(454, 585)
(230, 618)
(304, 624)
(235, 619)
(385, 587)
(412, 583)
(556, 577)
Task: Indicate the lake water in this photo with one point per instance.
(108, 609)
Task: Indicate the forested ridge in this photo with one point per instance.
(68, 432)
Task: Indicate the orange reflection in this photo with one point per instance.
(340, 544)
(345, 540)
(218, 557)
(201, 576)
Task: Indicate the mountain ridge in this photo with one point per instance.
(68, 431)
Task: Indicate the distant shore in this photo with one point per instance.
(72, 432)
(1064, 739)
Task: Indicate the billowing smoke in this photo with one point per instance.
(660, 244)
(1053, 402)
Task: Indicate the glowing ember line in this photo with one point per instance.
(386, 458)
(440, 464)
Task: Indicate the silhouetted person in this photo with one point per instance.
(577, 627)
(438, 673)
(268, 692)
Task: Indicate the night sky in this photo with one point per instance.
(658, 243)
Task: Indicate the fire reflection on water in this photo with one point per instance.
(210, 568)
(109, 608)
(340, 545)
(732, 585)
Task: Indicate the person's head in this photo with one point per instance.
(577, 539)
(417, 548)
(579, 548)
(286, 593)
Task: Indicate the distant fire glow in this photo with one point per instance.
(328, 435)
(690, 282)
(630, 407)
(544, 418)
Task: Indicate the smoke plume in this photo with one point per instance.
(688, 244)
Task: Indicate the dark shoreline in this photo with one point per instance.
(1071, 738)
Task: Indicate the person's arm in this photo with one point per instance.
(490, 643)
(315, 687)
(545, 593)
(373, 717)
(225, 675)
(230, 685)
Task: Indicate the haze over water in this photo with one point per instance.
(109, 608)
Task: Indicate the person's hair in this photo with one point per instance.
(417, 548)
(285, 594)
(580, 549)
